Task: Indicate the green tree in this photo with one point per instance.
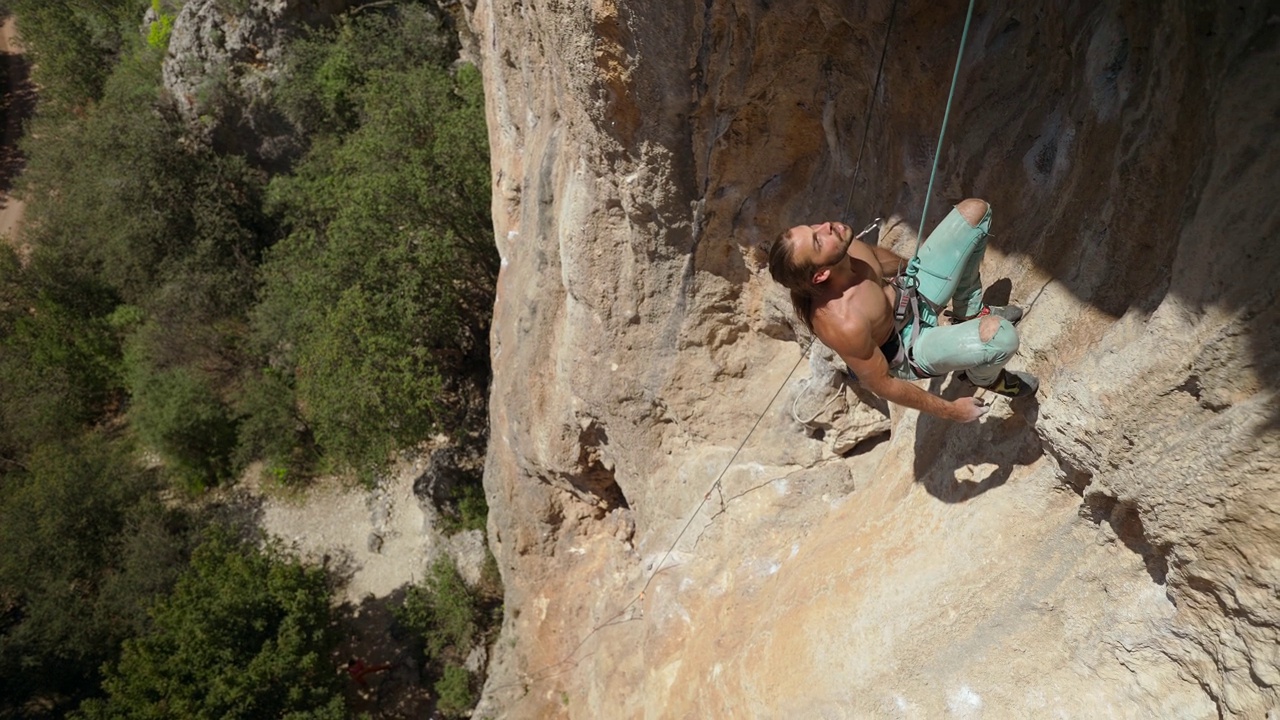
(176, 413)
(246, 633)
(123, 209)
(331, 68)
(74, 42)
(60, 366)
(450, 618)
(116, 193)
(86, 550)
(380, 295)
(270, 428)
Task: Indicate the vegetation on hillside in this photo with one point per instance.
(245, 633)
(185, 313)
(448, 617)
(86, 548)
(75, 43)
(376, 301)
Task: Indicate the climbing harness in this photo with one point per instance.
(907, 310)
(907, 287)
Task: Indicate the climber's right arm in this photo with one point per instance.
(852, 342)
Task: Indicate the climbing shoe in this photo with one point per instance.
(1012, 313)
(1012, 384)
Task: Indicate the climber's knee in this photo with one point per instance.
(998, 335)
(973, 210)
(988, 326)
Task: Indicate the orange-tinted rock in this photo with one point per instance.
(1110, 552)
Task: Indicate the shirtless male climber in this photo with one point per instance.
(852, 297)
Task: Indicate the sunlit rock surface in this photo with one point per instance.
(1112, 551)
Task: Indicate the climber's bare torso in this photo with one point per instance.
(853, 313)
(867, 302)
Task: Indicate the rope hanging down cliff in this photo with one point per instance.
(905, 297)
(946, 115)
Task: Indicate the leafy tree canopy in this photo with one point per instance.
(74, 42)
(331, 69)
(379, 297)
(119, 195)
(450, 618)
(60, 368)
(246, 633)
(153, 311)
(86, 548)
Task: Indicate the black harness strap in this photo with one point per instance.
(907, 309)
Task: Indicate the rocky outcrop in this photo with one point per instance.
(1109, 551)
(223, 60)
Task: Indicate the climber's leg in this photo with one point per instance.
(981, 347)
(947, 264)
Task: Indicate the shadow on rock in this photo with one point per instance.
(17, 103)
(959, 461)
(998, 293)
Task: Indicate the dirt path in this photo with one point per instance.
(377, 542)
(16, 102)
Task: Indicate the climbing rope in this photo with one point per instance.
(946, 115)
(871, 99)
(844, 213)
(795, 403)
(857, 168)
(716, 485)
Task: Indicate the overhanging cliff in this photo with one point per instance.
(1111, 551)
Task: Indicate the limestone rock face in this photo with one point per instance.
(1112, 550)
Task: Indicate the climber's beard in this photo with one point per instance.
(845, 233)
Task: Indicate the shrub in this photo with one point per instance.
(74, 42)
(450, 619)
(161, 28)
(443, 611)
(246, 633)
(456, 692)
(86, 550)
(176, 413)
(381, 294)
(466, 510)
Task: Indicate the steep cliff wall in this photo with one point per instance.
(1110, 551)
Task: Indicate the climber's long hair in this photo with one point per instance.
(796, 277)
